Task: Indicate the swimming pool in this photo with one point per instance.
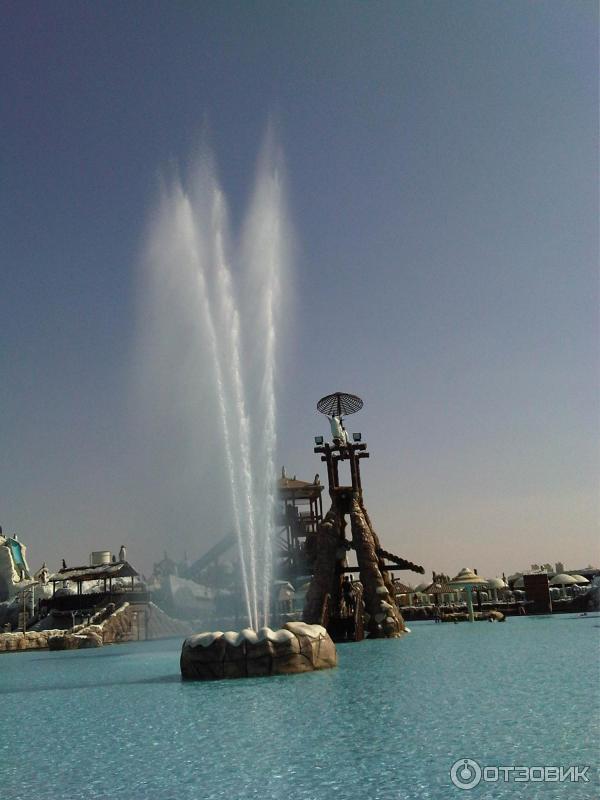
(389, 722)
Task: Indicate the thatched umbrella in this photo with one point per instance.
(466, 579)
(442, 591)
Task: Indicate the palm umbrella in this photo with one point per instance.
(466, 579)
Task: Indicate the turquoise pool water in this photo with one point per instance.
(389, 722)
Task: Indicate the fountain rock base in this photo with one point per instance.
(297, 647)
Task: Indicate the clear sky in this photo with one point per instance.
(443, 187)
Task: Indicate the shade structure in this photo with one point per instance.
(441, 589)
(339, 404)
(563, 580)
(581, 580)
(466, 579)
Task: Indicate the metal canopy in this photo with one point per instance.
(339, 404)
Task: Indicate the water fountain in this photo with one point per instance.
(213, 306)
(230, 297)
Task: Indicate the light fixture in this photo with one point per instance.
(318, 440)
(356, 437)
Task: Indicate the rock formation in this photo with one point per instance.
(297, 647)
(323, 550)
(327, 553)
(382, 615)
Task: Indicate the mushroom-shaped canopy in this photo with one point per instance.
(466, 577)
(496, 583)
(581, 579)
(441, 588)
(563, 580)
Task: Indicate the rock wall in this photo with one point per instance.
(109, 626)
(32, 640)
(105, 629)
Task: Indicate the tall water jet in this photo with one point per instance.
(263, 250)
(217, 304)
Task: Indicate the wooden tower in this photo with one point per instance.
(346, 608)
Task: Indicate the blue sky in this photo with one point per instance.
(442, 173)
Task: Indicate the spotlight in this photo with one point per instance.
(356, 437)
(318, 440)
